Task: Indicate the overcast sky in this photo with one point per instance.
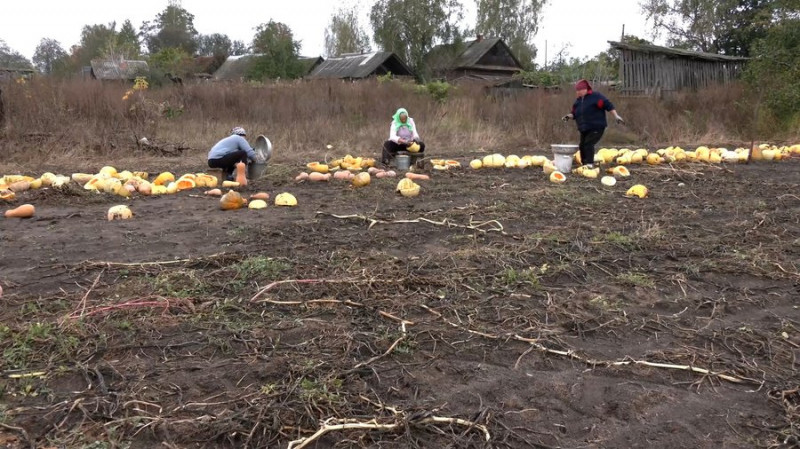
(583, 25)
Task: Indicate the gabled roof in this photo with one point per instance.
(235, 67)
(482, 53)
(647, 48)
(362, 65)
(104, 69)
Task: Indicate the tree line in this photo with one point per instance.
(760, 29)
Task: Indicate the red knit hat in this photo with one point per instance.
(583, 84)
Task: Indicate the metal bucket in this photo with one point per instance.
(562, 156)
(402, 161)
(263, 149)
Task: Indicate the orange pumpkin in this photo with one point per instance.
(232, 200)
(317, 176)
(214, 192)
(24, 211)
(241, 173)
(186, 184)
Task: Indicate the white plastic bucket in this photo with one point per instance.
(562, 156)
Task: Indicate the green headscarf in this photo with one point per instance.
(398, 123)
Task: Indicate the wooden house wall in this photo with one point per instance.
(644, 73)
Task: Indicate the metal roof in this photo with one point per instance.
(118, 70)
(363, 65)
(647, 48)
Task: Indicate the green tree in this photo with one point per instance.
(214, 45)
(127, 41)
(96, 41)
(774, 70)
(275, 42)
(12, 59)
(172, 28)
(515, 21)
(238, 48)
(344, 34)
(411, 28)
(716, 26)
(49, 57)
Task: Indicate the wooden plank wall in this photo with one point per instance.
(651, 73)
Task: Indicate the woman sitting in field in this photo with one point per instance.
(403, 136)
(226, 153)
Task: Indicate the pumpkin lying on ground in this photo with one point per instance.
(317, 167)
(7, 195)
(232, 200)
(319, 177)
(24, 211)
(164, 178)
(214, 192)
(186, 184)
(121, 212)
(260, 196)
(408, 188)
(608, 181)
(637, 190)
(557, 177)
(285, 199)
(362, 179)
(257, 204)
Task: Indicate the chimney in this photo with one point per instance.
(479, 38)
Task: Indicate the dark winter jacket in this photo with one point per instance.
(589, 111)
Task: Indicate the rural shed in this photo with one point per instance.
(235, 68)
(482, 59)
(651, 70)
(353, 66)
(123, 70)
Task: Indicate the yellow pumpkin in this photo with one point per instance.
(362, 179)
(257, 204)
(408, 187)
(557, 177)
(620, 171)
(476, 164)
(494, 160)
(81, 178)
(230, 184)
(608, 181)
(7, 195)
(164, 179)
(414, 147)
(121, 212)
(232, 200)
(320, 168)
(285, 199)
(637, 190)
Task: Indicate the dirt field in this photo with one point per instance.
(495, 310)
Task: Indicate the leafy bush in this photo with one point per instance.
(438, 90)
(539, 78)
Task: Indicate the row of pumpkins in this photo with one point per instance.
(109, 180)
(627, 156)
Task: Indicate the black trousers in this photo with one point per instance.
(588, 140)
(228, 162)
(390, 149)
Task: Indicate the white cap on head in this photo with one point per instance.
(239, 131)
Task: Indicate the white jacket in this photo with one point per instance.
(393, 131)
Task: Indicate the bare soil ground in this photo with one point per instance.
(494, 310)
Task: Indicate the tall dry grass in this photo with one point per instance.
(50, 121)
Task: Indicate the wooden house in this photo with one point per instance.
(487, 60)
